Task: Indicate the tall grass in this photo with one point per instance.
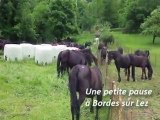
(132, 42)
(30, 91)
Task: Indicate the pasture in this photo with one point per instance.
(130, 43)
(30, 91)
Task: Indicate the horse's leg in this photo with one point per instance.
(119, 77)
(62, 71)
(99, 98)
(145, 73)
(67, 69)
(128, 74)
(82, 96)
(58, 71)
(91, 106)
(142, 74)
(133, 73)
(72, 111)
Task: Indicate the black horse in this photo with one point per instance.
(120, 49)
(121, 61)
(143, 62)
(101, 45)
(103, 52)
(69, 58)
(145, 53)
(82, 78)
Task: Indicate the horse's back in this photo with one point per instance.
(86, 77)
(138, 61)
(145, 53)
(75, 58)
(80, 76)
(124, 61)
(64, 55)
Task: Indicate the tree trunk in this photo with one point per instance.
(154, 36)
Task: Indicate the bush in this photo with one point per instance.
(129, 26)
(107, 38)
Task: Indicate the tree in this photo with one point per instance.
(152, 24)
(61, 20)
(42, 27)
(8, 11)
(110, 12)
(16, 21)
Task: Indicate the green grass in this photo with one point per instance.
(137, 41)
(130, 43)
(30, 91)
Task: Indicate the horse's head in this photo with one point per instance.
(120, 50)
(88, 55)
(110, 56)
(113, 55)
(103, 52)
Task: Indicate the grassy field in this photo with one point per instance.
(130, 43)
(32, 92)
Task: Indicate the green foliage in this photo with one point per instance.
(41, 16)
(135, 16)
(86, 15)
(152, 24)
(16, 21)
(106, 35)
(61, 18)
(45, 20)
(8, 10)
(133, 12)
(110, 12)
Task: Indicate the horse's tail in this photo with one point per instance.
(58, 63)
(73, 81)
